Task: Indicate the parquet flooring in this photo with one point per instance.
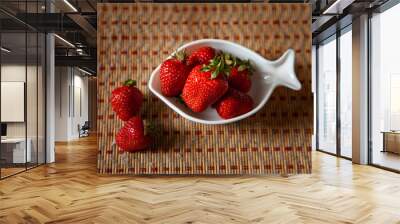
(70, 191)
(10, 171)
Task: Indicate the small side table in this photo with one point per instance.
(391, 141)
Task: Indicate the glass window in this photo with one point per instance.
(385, 89)
(31, 96)
(15, 150)
(327, 96)
(346, 93)
(22, 92)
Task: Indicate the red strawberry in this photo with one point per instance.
(126, 100)
(173, 75)
(240, 80)
(239, 76)
(131, 137)
(203, 87)
(233, 104)
(201, 56)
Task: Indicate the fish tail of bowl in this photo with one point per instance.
(281, 72)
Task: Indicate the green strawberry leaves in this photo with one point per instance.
(243, 65)
(229, 60)
(130, 82)
(180, 55)
(219, 64)
(223, 62)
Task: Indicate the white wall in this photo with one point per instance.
(62, 81)
(80, 84)
(70, 83)
(13, 72)
(16, 73)
(33, 127)
(10, 73)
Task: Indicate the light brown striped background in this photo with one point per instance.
(135, 38)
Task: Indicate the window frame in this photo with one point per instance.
(381, 9)
(334, 37)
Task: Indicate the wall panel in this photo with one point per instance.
(134, 38)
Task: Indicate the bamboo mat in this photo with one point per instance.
(133, 39)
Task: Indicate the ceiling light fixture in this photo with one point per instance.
(337, 7)
(64, 40)
(5, 50)
(70, 5)
(80, 51)
(84, 71)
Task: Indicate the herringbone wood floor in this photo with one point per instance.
(70, 191)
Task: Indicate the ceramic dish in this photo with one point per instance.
(266, 77)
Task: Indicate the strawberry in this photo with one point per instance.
(126, 100)
(173, 74)
(240, 80)
(201, 56)
(239, 76)
(132, 137)
(205, 85)
(233, 104)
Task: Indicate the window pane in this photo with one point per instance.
(385, 89)
(31, 97)
(15, 150)
(346, 94)
(327, 96)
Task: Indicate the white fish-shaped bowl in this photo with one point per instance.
(266, 77)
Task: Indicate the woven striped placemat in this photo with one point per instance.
(133, 39)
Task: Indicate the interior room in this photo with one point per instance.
(275, 111)
(72, 103)
(22, 102)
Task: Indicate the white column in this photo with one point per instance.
(50, 100)
(360, 90)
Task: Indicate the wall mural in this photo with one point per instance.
(213, 107)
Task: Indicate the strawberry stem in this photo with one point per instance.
(130, 82)
(224, 62)
(243, 65)
(216, 66)
(180, 55)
